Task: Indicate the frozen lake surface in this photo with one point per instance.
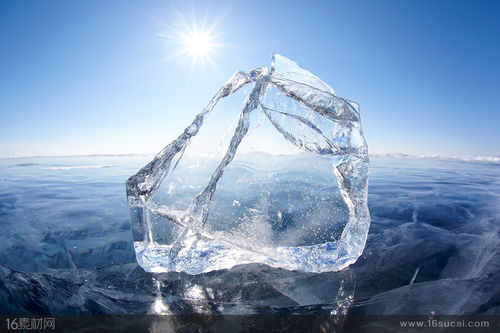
(66, 247)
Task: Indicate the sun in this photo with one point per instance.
(198, 44)
(195, 45)
(194, 42)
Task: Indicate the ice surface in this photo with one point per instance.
(279, 179)
(66, 248)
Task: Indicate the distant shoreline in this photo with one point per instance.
(493, 159)
(84, 155)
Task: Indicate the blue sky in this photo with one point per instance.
(89, 77)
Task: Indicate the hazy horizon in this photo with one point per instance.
(494, 158)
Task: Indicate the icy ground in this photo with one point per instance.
(66, 247)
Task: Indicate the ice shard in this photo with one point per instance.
(274, 170)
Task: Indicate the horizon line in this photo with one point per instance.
(486, 158)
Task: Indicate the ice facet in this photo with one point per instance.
(274, 170)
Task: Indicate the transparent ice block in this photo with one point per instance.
(274, 171)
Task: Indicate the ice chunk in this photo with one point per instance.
(274, 170)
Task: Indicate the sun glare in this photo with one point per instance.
(198, 44)
(195, 45)
(194, 42)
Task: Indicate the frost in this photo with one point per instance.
(280, 180)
